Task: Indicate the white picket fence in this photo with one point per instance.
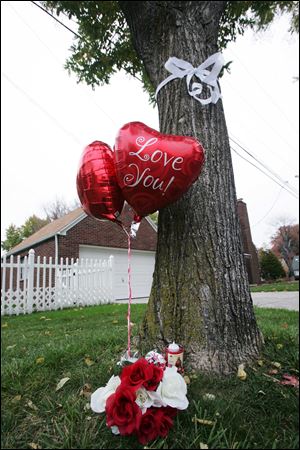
(35, 284)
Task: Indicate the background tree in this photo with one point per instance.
(33, 224)
(270, 266)
(58, 208)
(13, 237)
(200, 294)
(285, 242)
(154, 217)
(53, 210)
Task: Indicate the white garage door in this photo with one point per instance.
(142, 267)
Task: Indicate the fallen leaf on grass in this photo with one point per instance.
(261, 393)
(187, 379)
(42, 318)
(61, 383)
(115, 321)
(47, 333)
(272, 371)
(260, 362)
(16, 399)
(88, 361)
(86, 407)
(203, 421)
(33, 445)
(276, 364)
(86, 391)
(272, 378)
(209, 397)
(285, 325)
(4, 325)
(241, 374)
(40, 360)
(279, 346)
(11, 346)
(202, 445)
(290, 380)
(31, 405)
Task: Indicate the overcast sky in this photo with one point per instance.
(47, 118)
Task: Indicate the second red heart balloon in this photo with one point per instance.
(155, 169)
(97, 187)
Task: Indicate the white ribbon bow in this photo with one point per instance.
(180, 68)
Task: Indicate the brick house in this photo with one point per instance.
(250, 252)
(77, 235)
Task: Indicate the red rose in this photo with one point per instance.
(122, 411)
(137, 373)
(156, 378)
(164, 420)
(155, 422)
(148, 430)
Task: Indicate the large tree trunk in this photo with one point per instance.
(200, 295)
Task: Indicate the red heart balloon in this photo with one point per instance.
(155, 169)
(97, 186)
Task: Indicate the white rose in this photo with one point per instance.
(172, 390)
(99, 397)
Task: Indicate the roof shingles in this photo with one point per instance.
(49, 230)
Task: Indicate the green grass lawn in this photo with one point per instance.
(276, 287)
(39, 350)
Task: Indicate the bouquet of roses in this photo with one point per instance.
(143, 400)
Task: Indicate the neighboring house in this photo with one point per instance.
(250, 252)
(77, 235)
(295, 267)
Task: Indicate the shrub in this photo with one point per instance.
(270, 266)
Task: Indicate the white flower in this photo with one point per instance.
(99, 397)
(171, 390)
(143, 399)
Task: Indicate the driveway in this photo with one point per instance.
(286, 300)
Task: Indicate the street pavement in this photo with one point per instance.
(285, 300)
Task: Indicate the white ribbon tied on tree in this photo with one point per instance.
(180, 69)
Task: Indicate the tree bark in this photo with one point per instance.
(200, 295)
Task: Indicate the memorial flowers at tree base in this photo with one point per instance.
(143, 400)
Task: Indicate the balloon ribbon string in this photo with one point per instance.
(130, 294)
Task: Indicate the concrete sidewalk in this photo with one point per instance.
(286, 300)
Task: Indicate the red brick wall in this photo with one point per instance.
(106, 234)
(90, 232)
(252, 264)
(46, 248)
(99, 233)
